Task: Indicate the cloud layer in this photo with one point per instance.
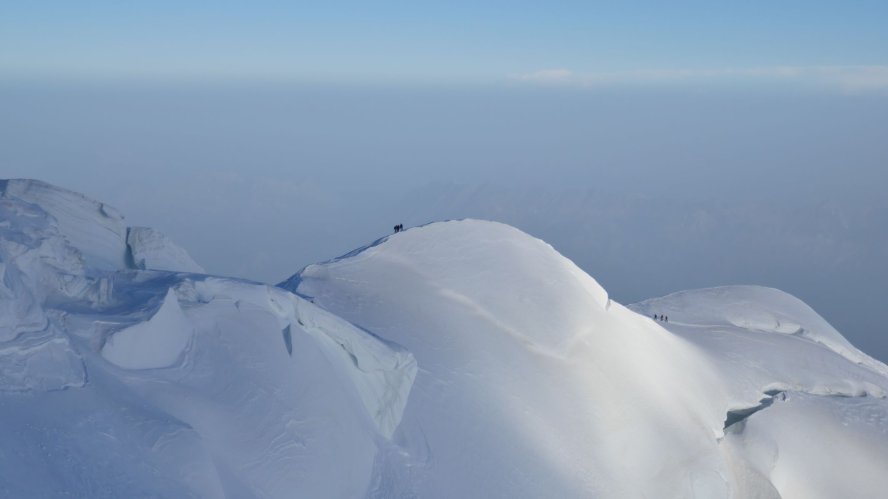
(847, 79)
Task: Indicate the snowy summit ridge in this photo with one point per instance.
(456, 359)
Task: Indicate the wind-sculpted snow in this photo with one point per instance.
(457, 359)
(383, 373)
(117, 382)
(92, 232)
(812, 446)
(36, 265)
(157, 342)
(152, 250)
(806, 415)
(96, 230)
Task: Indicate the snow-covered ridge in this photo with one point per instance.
(521, 354)
(94, 229)
(755, 308)
(98, 231)
(457, 260)
(456, 359)
(179, 384)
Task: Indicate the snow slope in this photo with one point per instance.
(820, 428)
(457, 359)
(95, 229)
(117, 382)
(533, 384)
(754, 308)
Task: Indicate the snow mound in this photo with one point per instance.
(754, 308)
(531, 383)
(158, 342)
(458, 260)
(152, 250)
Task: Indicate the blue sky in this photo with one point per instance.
(451, 42)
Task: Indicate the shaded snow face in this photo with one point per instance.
(155, 343)
(121, 382)
(152, 250)
(36, 266)
(56, 246)
(97, 232)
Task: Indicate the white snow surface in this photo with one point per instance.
(457, 359)
(754, 308)
(152, 250)
(119, 382)
(97, 230)
(532, 384)
(157, 342)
